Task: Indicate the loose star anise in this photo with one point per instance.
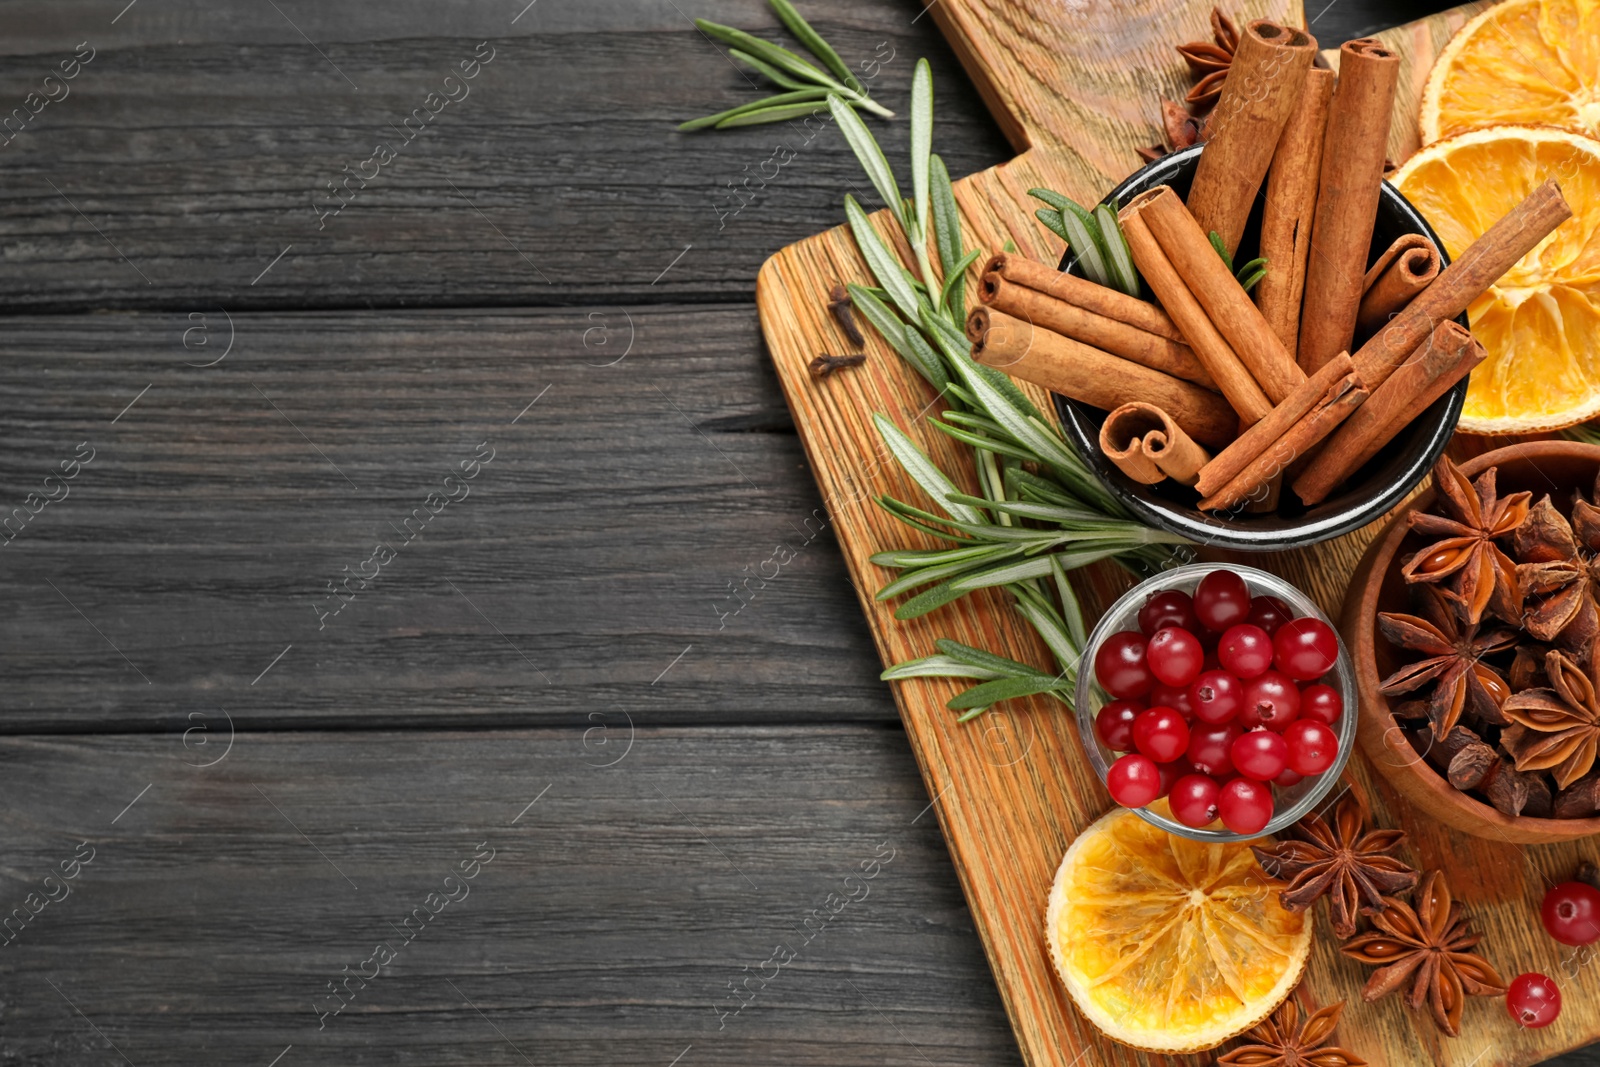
(1452, 654)
(1211, 60)
(1559, 568)
(1474, 516)
(1355, 870)
(1558, 728)
(1431, 947)
(1282, 1041)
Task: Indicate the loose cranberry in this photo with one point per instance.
(1244, 650)
(1259, 754)
(1312, 746)
(1321, 702)
(1533, 1000)
(1133, 780)
(1161, 734)
(1114, 724)
(1271, 700)
(1268, 612)
(1120, 666)
(1193, 800)
(1211, 747)
(1245, 806)
(1174, 656)
(1305, 648)
(1171, 607)
(1221, 600)
(1571, 913)
(1216, 697)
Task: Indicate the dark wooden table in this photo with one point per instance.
(375, 576)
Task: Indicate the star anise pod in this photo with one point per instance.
(1282, 1041)
(1356, 870)
(1431, 947)
(1452, 655)
(1474, 516)
(1559, 570)
(1555, 729)
(1182, 129)
(1211, 60)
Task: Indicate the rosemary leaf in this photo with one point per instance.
(898, 558)
(1003, 448)
(1082, 237)
(1252, 272)
(935, 667)
(872, 160)
(885, 267)
(953, 282)
(1052, 629)
(1071, 611)
(947, 230)
(1222, 249)
(754, 105)
(773, 73)
(925, 472)
(813, 41)
(939, 572)
(1118, 258)
(921, 150)
(773, 55)
(1051, 217)
(776, 112)
(977, 657)
(990, 693)
(1054, 199)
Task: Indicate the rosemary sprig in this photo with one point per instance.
(1040, 511)
(1096, 238)
(808, 87)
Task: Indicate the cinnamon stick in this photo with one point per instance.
(1254, 441)
(1347, 198)
(1404, 270)
(1345, 397)
(1218, 291)
(1291, 201)
(1084, 293)
(1262, 88)
(1443, 359)
(1092, 328)
(1093, 377)
(1219, 359)
(1464, 280)
(1149, 446)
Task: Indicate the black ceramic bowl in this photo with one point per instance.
(1370, 492)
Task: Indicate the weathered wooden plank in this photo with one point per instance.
(197, 144)
(633, 511)
(221, 901)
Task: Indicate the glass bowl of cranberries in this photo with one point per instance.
(1217, 702)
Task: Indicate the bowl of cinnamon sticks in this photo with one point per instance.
(1305, 408)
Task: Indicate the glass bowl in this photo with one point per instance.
(1291, 804)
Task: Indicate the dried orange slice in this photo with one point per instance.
(1529, 62)
(1541, 321)
(1168, 944)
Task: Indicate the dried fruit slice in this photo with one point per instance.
(1168, 944)
(1532, 62)
(1541, 321)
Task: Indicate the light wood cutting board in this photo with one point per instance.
(1076, 85)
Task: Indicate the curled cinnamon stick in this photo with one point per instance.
(1291, 201)
(1084, 293)
(1254, 441)
(1405, 269)
(1149, 446)
(1345, 397)
(1262, 88)
(1347, 198)
(1442, 360)
(1464, 280)
(1218, 291)
(1081, 324)
(1093, 377)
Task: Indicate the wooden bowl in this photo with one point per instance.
(1541, 467)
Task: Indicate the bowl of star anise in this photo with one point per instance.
(1475, 630)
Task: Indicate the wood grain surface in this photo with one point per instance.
(596, 544)
(1074, 89)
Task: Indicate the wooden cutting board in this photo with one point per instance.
(1076, 85)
